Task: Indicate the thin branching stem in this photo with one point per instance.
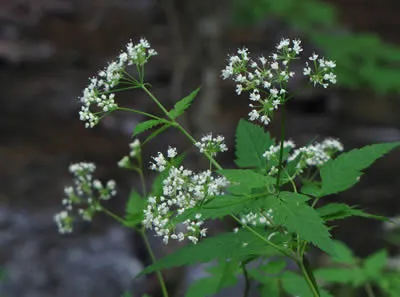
(147, 244)
(247, 282)
(308, 278)
(139, 112)
(280, 165)
(368, 289)
(153, 260)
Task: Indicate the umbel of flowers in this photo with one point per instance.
(266, 79)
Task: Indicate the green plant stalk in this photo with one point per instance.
(139, 112)
(153, 260)
(178, 126)
(246, 280)
(147, 245)
(368, 289)
(283, 127)
(308, 278)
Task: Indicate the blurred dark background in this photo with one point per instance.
(49, 48)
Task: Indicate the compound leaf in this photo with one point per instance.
(343, 172)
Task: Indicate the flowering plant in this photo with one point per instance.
(274, 195)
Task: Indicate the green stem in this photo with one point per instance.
(156, 101)
(180, 127)
(209, 157)
(283, 125)
(141, 175)
(308, 278)
(118, 90)
(114, 216)
(153, 260)
(246, 280)
(148, 247)
(139, 112)
(369, 290)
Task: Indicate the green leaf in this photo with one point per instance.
(311, 189)
(341, 275)
(274, 267)
(224, 205)
(270, 288)
(183, 104)
(390, 283)
(295, 285)
(337, 211)
(156, 132)
(146, 125)
(298, 217)
(243, 181)
(134, 209)
(236, 246)
(341, 173)
(251, 143)
(223, 275)
(374, 264)
(342, 254)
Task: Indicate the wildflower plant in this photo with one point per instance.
(273, 195)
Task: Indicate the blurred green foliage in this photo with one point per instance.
(363, 60)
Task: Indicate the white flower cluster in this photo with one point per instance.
(99, 93)
(211, 145)
(182, 190)
(85, 195)
(316, 154)
(322, 72)
(135, 151)
(274, 149)
(264, 80)
(264, 218)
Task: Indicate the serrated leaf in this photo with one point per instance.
(299, 218)
(341, 173)
(183, 104)
(223, 275)
(237, 246)
(251, 143)
(342, 254)
(146, 125)
(134, 209)
(337, 211)
(224, 205)
(374, 264)
(156, 132)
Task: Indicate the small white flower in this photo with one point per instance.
(171, 152)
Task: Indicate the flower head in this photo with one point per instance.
(84, 197)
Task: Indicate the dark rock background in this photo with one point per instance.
(49, 48)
